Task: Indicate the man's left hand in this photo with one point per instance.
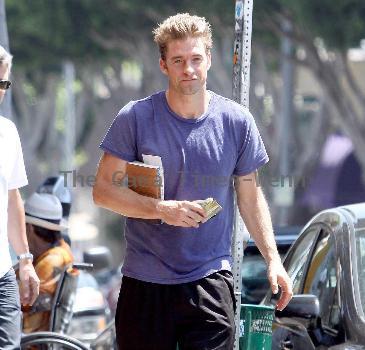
(29, 283)
(279, 277)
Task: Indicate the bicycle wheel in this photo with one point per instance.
(50, 340)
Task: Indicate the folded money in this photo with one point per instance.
(211, 207)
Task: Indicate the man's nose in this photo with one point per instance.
(188, 68)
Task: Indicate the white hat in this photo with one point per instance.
(44, 210)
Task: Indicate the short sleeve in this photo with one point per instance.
(18, 176)
(252, 153)
(120, 139)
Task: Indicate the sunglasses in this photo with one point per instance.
(5, 84)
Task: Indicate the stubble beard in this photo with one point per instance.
(192, 88)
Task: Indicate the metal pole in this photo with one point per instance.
(69, 76)
(241, 87)
(5, 107)
(284, 195)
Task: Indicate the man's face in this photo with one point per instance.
(186, 65)
(4, 75)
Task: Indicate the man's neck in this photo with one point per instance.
(188, 106)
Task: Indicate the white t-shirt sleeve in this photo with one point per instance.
(18, 176)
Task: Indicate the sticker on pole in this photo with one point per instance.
(239, 9)
(242, 328)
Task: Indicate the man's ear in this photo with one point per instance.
(163, 66)
(209, 59)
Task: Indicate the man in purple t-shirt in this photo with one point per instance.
(177, 283)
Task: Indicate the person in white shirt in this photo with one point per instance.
(12, 226)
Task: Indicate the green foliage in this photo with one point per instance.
(340, 23)
(42, 32)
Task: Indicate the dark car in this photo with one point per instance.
(254, 271)
(327, 267)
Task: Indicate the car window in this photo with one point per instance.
(254, 279)
(255, 283)
(360, 254)
(299, 257)
(321, 279)
(253, 266)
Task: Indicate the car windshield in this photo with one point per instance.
(253, 266)
(360, 254)
(254, 278)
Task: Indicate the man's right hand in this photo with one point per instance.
(181, 213)
(29, 283)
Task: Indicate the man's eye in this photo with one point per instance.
(197, 59)
(177, 61)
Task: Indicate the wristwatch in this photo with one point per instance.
(25, 256)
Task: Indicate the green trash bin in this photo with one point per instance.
(256, 327)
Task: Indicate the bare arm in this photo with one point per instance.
(16, 223)
(255, 212)
(29, 287)
(110, 194)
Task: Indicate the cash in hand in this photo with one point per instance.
(211, 207)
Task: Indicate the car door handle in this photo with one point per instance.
(286, 345)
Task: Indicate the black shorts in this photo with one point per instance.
(197, 315)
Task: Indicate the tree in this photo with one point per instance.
(111, 45)
(323, 48)
(322, 33)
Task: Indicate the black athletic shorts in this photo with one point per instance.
(198, 315)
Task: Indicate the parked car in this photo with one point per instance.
(255, 283)
(113, 294)
(91, 313)
(327, 267)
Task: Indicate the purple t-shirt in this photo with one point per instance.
(199, 157)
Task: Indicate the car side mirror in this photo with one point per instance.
(301, 305)
(100, 257)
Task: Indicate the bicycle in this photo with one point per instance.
(61, 315)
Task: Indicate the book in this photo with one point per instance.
(145, 179)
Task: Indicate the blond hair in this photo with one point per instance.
(182, 26)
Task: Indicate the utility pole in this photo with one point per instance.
(284, 195)
(241, 87)
(5, 107)
(70, 123)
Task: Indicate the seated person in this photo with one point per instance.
(43, 214)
